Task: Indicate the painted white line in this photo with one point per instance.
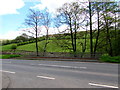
(33, 64)
(81, 67)
(7, 71)
(101, 85)
(51, 78)
(62, 66)
(6, 62)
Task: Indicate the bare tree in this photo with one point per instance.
(97, 9)
(72, 15)
(108, 9)
(46, 23)
(33, 20)
(91, 42)
(84, 44)
(105, 12)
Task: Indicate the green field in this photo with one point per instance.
(55, 46)
(52, 46)
(6, 47)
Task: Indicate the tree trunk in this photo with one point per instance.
(36, 40)
(75, 39)
(91, 43)
(115, 27)
(71, 33)
(46, 42)
(108, 34)
(84, 45)
(96, 43)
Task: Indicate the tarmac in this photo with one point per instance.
(4, 80)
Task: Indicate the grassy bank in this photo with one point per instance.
(6, 47)
(8, 56)
(52, 46)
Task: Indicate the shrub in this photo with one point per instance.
(107, 58)
(6, 42)
(14, 46)
(24, 43)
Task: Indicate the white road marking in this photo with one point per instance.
(62, 66)
(101, 85)
(7, 71)
(51, 78)
(33, 64)
(6, 62)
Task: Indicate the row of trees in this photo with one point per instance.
(97, 18)
(19, 39)
(107, 20)
(100, 17)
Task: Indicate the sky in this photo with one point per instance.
(14, 12)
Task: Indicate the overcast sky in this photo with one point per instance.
(13, 13)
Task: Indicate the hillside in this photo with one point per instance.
(53, 46)
(62, 43)
(5, 47)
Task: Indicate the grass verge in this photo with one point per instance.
(107, 58)
(8, 56)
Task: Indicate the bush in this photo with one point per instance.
(107, 58)
(24, 43)
(6, 42)
(14, 46)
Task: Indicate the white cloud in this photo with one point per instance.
(10, 6)
(54, 30)
(42, 30)
(61, 29)
(10, 34)
(52, 5)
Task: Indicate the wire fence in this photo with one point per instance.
(55, 54)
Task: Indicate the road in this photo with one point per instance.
(59, 74)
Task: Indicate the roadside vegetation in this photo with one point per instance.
(90, 29)
(8, 56)
(107, 58)
(54, 45)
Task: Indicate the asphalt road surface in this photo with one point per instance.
(59, 74)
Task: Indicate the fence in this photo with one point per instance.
(55, 54)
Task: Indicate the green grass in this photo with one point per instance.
(7, 56)
(27, 47)
(6, 47)
(52, 46)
